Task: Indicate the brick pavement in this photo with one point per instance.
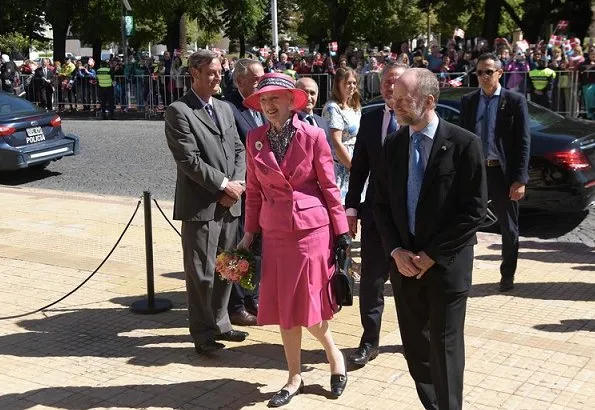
(531, 349)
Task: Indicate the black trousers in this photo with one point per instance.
(106, 96)
(507, 212)
(241, 298)
(374, 273)
(431, 323)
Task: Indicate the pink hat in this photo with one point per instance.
(275, 82)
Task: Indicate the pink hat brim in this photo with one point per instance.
(300, 98)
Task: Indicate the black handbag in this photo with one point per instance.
(342, 282)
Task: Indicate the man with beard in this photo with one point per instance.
(430, 199)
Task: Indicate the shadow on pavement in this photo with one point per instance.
(146, 340)
(576, 291)
(200, 394)
(24, 176)
(550, 226)
(551, 252)
(571, 325)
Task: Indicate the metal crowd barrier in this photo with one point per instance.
(572, 92)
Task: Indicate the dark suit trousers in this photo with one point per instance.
(374, 273)
(507, 212)
(432, 329)
(240, 297)
(207, 293)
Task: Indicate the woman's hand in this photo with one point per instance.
(246, 241)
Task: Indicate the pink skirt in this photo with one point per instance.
(295, 272)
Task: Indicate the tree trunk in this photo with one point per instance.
(183, 43)
(97, 44)
(173, 30)
(59, 47)
(491, 20)
(242, 45)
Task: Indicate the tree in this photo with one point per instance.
(60, 13)
(240, 19)
(85, 24)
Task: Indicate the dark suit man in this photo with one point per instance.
(500, 117)
(366, 163)
(243, 304)
(429, 202)
(307, 114)
(210, 159)
(48, 75)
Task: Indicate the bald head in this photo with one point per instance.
(311, 88)
(415, 96)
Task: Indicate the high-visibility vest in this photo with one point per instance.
(541, 78)
(291, 73)
(104, 77)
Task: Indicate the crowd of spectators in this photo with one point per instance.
(545, 73)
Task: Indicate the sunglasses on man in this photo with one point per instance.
(489, 73)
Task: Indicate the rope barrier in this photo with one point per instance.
(88, 277)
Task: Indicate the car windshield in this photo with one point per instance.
(541, 116)
(10, 105)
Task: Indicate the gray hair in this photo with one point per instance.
(391, 65)
(427, 83)
(240, 69)
(200, 58)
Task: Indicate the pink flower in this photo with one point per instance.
(243, 266)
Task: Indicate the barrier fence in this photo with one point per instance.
(572, 92)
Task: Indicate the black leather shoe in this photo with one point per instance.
(207, 347)
(242, 318)
(363, 355)
(232, 336)
(338, 383)
(506, 284)
(252, 308)
(283, 397)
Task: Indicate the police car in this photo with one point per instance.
(31, 137)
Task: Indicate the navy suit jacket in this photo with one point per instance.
(367, 158)
(321, 123)
(513, 138)
(244, 119)
(451, 205)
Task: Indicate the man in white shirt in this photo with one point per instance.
(367, 160)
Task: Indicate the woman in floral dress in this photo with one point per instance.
(343, 113)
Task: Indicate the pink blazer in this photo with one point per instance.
(301, 192)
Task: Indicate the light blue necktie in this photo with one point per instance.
(416, 176)
(392, 124)
(485, 125)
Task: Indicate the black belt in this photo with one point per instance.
(492, 163)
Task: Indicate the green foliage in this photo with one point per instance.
(85, 21)
(14, 42)
(21, 16)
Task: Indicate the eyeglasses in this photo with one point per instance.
(479, 73)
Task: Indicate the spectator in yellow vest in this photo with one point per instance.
(541, 79)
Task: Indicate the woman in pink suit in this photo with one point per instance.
(293, 201)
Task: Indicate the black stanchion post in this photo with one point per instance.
(150, 305)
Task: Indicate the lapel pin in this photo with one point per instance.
(258, 145)
(443, 148)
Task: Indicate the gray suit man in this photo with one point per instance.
(210, 158)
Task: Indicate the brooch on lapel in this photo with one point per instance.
(443, 148)
(258, 145)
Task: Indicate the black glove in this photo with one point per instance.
(343, 242)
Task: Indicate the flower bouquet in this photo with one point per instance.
(238, 266)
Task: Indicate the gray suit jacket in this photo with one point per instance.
(205, 154)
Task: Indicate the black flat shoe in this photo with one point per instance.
(282, 397)
(232, 336)
(339, 381)
(506, 284)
